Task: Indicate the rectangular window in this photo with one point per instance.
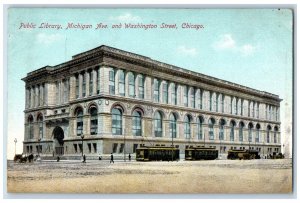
(98, 80)
(165, 93)
(185, 95)
(173, 94)
(57, 92)
(65, 91)
(135, 147)
(156, 90)
(83, 85)
(91, 83)
(121, 83)
(236, 106)
(115, 146)
(222, 103)
(77, 86)
(217, 102)
(210, 101)
(111, 82)
(192, 97)
(257, 110)
(95, 147)
(131, 84)
(141, 86)
(39, 95)
(75, 147)
(121, 148)
(90, 147)
(80, 148)
(242, 107)
(249, 110)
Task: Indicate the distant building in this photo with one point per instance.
(116, 100)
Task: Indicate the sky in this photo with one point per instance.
(251, 47)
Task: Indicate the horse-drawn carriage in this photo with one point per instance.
(22, 158)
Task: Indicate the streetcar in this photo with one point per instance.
(157, 153)
(201, 153)
(243, 154)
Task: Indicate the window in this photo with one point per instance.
(90, 147)
(275, 134)
(98, 80)
(131, 82)
(173, 126)
(75, 147)
(165, 92)
(91, 82)
(241, 126)
(115, 146)
(30, 126)
(79, 121)
(257, 133)
(77, 86)
(221, 129)
(217, 102)
(232, 125)
(268, 133)
(249, 109)
(137, 123)
(116, 121)
(250, 128)
(236, 107)
(252, 110)
(39, 95)
(173, 94)
(83, 85)
(66, 91)
(222, 103)
(231, 105)
(57, 92)
(95, 147)
(135, 147)
(141, 86)
(192, 92)
(40, 124)
(29, 97)
(242, 107)
(200, 127)
(200, 99)
(94, 121)
(257, 110)
(185, 95)
(156, 90)
(210, 101)
(211, 123)
(121, 148)
(187, 127)
(112, 81)
(158, 124)
(121, 83)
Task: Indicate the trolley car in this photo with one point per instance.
(243, 154)
(157, 153)
(201, 153)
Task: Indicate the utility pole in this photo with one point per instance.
(15, 145)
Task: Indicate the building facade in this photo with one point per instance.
(108, 100)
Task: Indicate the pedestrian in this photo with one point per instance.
(111, 158)
(129, 157)
(83, 159)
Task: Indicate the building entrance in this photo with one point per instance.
(58, 142)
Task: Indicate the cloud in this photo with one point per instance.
(187, 51)
(227, 43)
(247, 49)
(127, 17)
(47, 39)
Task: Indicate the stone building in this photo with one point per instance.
(108, 100)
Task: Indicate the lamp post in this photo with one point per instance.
(82, 136)
(15, 145)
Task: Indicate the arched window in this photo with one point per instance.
(141, 86)
(131, 83)
(268, 133)
(165, 92)
(156, 90)
(275, 134)
(257, 133)
(221, 129)
(173, 126)
(250, 128)
(40, 124)
(30, 126)
(79, 121)
(192, 93)
(232, 125)
(173, 94)
(116, 126)
(158, 124)
(121, 82)
(111, 81)
(241, 128)
(187, 126)
(200, 121)
(211, 123)
(94, 121)
(137, 123)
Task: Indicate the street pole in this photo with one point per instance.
(124, 149)
(82, 136)
(172, 146)
(15, 145)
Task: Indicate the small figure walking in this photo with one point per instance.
(111, 158)
(84, 159)
(129, 157)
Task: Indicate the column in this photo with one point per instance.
(41, 95)
(27, 98)
(32, 97)
(87, 83)
(36, 96)
(72, 90)
(46, 94)
(148, 88)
